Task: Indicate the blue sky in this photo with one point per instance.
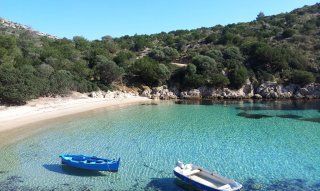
(96, 18)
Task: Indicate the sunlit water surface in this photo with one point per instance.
(265, 146)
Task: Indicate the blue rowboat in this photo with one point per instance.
(203, 179)
(90, 162)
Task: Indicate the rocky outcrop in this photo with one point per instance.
(311, 91)
(191, 94)
(268, 90)
(272, 90)
(5, 24)
(161, 92)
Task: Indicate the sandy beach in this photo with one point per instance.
(49, 108)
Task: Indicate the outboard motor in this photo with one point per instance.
(180, 164)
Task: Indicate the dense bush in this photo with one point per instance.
(149, 72)
(107, 71)
(238, 76)
(218, 80)
(165, 54)
(17, 85)
(288, 33)
(205, 65)
(302, 77)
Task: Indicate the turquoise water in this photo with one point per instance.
(265, 146)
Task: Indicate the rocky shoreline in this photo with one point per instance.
(267, 90)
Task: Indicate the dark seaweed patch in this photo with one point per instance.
(149, 104)
(13, 183)
(283, 185)
(164, 184)
(316, 119)
(253, 116)
(289, 116)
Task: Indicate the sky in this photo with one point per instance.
(94, 19)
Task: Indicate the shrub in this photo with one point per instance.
(288, 33)
(194, 81)
(191, 69)
(215, 54)
(205, 65)
(149, 72)
(17, 85)
(165, 54)
(212, 38)
(302, 77)
(238, 76)
(61, 82)
(107, 71)
(218, 80)
(124, 58)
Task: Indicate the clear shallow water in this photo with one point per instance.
(265, 146)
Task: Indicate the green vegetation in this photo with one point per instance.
(283, 48)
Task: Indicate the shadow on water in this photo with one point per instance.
(63, 169)
(284, 105)
(282, 185)
(165, 184)
(253, 116)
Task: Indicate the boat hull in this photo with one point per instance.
(193, 183)
(111, 167)
(203, 179)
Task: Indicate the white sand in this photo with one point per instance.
(48, 108)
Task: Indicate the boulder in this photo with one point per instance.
(191, 94)
(257, 96)
(310, 91)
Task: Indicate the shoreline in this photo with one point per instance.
(42, 109)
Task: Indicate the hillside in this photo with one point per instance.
(283, 48)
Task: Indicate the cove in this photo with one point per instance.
(280, 152)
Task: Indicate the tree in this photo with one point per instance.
(107, 71)
(191, 69)
(205, 65)
(288, 33)
(124, 58)
(260, 16)
(81, 43)
(149, 72)
(218, 80)
(212, 38)
(216, 55)
(165, 54)
(139, 42)
(232, 53)
(61, 82)
(17, 85)
(238, 76)
(194, 81)
(263, 57)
